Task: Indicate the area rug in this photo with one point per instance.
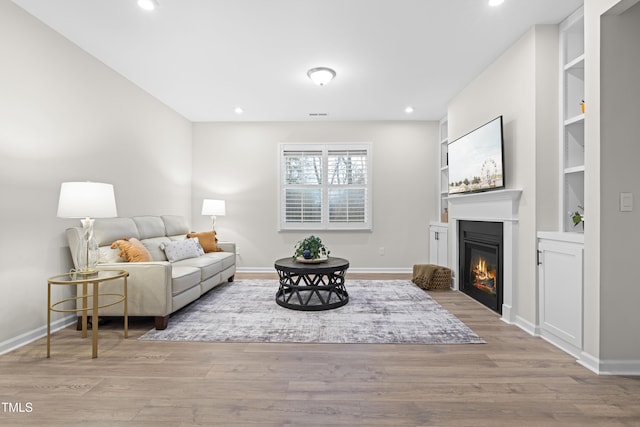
(379, 311)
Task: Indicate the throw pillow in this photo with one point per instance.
(207, 239)
(132, 250)
(181, 249)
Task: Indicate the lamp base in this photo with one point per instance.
(88, 251)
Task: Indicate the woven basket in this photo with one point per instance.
(441, 279)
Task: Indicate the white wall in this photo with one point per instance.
(64, 116)
(238, 162)
(521, 85)
(619, 172)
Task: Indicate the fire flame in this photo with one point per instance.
(481, 271)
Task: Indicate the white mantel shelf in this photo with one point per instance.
(507, 193)
(496, 206)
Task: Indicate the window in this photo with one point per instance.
(325, 186)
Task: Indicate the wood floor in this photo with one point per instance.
(513, 380)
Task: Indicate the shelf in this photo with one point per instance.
(572, 117)
(575, 169)
(565, 236)
(576, 63)
(575, 119)
(444, 165)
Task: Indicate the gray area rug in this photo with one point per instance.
(379, 311)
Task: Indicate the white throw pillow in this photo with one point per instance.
(182, 249)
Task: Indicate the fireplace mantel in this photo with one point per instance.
(499, 205)
(496, 206)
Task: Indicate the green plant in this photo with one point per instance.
(313, 245)
(577, 217)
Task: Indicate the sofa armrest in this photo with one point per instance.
(148, 286)
(227, 246)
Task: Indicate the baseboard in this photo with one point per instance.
(610, 366)
(560, 343)
(525, 325)
(271, 269)
(36, 334)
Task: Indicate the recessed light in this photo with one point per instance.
(495, 2)
(148, 4)
(408, 110)
(239, 110)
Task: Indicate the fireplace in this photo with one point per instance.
(481, 262)
(500, 206)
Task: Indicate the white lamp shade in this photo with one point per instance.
(86, 199)
(213, 207)
(321, 75)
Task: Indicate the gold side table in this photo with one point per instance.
(85, 279)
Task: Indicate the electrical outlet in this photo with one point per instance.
(381, 250)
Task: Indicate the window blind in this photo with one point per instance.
(325, 186)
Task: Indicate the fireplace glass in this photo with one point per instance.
(480, 262)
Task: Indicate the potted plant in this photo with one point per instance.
(310, 248)
(577, 217)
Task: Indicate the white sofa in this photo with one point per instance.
(160, 287)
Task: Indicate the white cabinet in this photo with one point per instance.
(438, 234)
(560, 288)
(572, 116)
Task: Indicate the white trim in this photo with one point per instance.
(610, 366)
(35, 334)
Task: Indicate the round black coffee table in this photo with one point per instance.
(305, 286)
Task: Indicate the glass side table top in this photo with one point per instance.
(79, 278)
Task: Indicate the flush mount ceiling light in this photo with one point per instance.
(321, 75)
(238, 110)
(495, 2)
(148, 4)
(408, 110)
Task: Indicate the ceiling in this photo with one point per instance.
(204, 58)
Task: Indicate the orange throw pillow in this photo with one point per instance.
(132, 250)
(207, 239)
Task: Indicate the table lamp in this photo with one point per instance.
(213, 208)
(87, 200)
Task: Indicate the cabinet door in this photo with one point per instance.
(442, 247)
(560, 276)
(433, 246)
(438, 246)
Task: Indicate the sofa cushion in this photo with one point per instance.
(175, 225)
(153, 246)
(132, 250)
(108, 255)
(207, 239)
(227, 259)
(208, 266)
(181, 249)
(183, 278)
(108, 230)
(149, 226)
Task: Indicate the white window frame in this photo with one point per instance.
(324, 223)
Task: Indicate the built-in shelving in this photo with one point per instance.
(572, 107)
(444, 167)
